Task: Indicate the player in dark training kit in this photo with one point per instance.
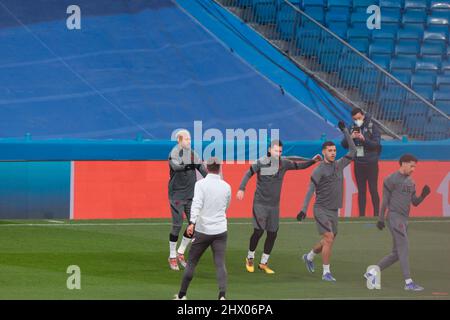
(399, 192)
(327, 181)
(270, 171)
(183, 163)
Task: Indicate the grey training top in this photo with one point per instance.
(399, 191)
(327, 180)
(183, 164)
(270, 178)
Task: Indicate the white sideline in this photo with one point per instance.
(63, 224)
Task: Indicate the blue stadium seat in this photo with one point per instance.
(359, 19)
(307, 38)
(359, 33)
(436, 128)
(416, 4)
(382, 61)
(338, 14)
(391, 102)
(349, 73)
(386, 32)
(442, 80)
(424, 92)
(285, 22)
(339, 28)
(329, 54)
(430, 65)
(432, 49)
(438, 18)
(441, 95)
(423, 79)
(436, 33)
(405, 78)
(414, 17)
(407, 47)
(415, 112)
(244, 3)
(339, 3)
(438, 5)
(312, 3)
(423, 88)
(265, 11)
(410, 32)
(403, 63)
(317, 13)
(390, 16)
(362, 45)
(391, 4)
(443, 105)
(358, 4)
(385, 47)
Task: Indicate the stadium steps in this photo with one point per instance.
(403, 46)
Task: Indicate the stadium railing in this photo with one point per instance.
(345, 71)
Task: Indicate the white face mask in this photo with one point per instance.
(359, 122)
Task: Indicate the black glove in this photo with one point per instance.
(380, 225)
(425, 191)
(341, 125)
(301, 216)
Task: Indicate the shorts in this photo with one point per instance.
(177, 207)
(266, 217)
(326, 220)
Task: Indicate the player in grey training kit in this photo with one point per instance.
(270, 171)
(399, 192)
(183, 163)
(327, 180)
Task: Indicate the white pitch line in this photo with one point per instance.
(55, 221)
(62, 224)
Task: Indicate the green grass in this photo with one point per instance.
(127, 259)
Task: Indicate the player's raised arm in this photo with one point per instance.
(416, 200)
(347, 159)
(293, 163)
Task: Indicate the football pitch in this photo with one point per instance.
(127, 259)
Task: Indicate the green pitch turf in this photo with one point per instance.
(127, 259)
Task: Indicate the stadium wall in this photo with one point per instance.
(128, 179)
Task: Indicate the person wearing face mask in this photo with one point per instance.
(367, 137)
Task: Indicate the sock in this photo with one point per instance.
(184, 243)
(264, 258)
(326, 268)
(408, 281)
(311, 255)
(251, 254)
(221, 294)
(173, 249)
(181, 294)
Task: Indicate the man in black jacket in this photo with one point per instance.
(367, 137)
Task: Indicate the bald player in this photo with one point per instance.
(327, 181)
(183, 164)
(399, 192)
